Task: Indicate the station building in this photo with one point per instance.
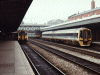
(93, 11)
(32, 29)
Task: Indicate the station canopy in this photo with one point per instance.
(12, 13)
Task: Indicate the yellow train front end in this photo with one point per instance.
(85, 37)
(37, 36)
(22, 35)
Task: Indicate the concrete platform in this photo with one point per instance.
(96, 42)
(13, 60)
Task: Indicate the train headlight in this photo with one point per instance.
(19, 37)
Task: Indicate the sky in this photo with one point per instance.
(42, 11)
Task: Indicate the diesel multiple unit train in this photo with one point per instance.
(22, 35)
(34, 35)
(78, 36)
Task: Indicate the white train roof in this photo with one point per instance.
(75, 30)
(48, 32)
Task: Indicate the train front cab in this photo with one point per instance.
(37, 36)
(85, 37)
(22, 36)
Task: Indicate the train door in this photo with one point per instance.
(19, 36)
(85, 37)
(22, 35)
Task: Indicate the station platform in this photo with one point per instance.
(95, 42)
(12, 59)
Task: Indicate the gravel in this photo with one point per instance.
(80, 55)
(66, 66)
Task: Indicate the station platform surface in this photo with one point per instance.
(96, 42)
(12, 59)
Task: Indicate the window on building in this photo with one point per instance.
(26, 28)
(22, 28)
(94, 13)
(88, 15)
(29, 28)
(36, 28)
(32, 28)
(82, 16)
(19, 28)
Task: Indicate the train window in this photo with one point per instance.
(81, 34)
(48, 34)
(67, 34)
(89, 34)
(55, 34)
(70, 34)
(75, 35)
(25, 34)
(19, 34)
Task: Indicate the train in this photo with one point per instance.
(76, 36)
(22, 35)
(34, 35)
(31, 35)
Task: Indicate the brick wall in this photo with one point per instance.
(97, 12)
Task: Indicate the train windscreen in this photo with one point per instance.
(25, 34)
(81, 34)
(19, 34)
(89, 34)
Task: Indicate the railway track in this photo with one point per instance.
(85, 51)
(87, 64)
(40, 65)
(95, 47)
